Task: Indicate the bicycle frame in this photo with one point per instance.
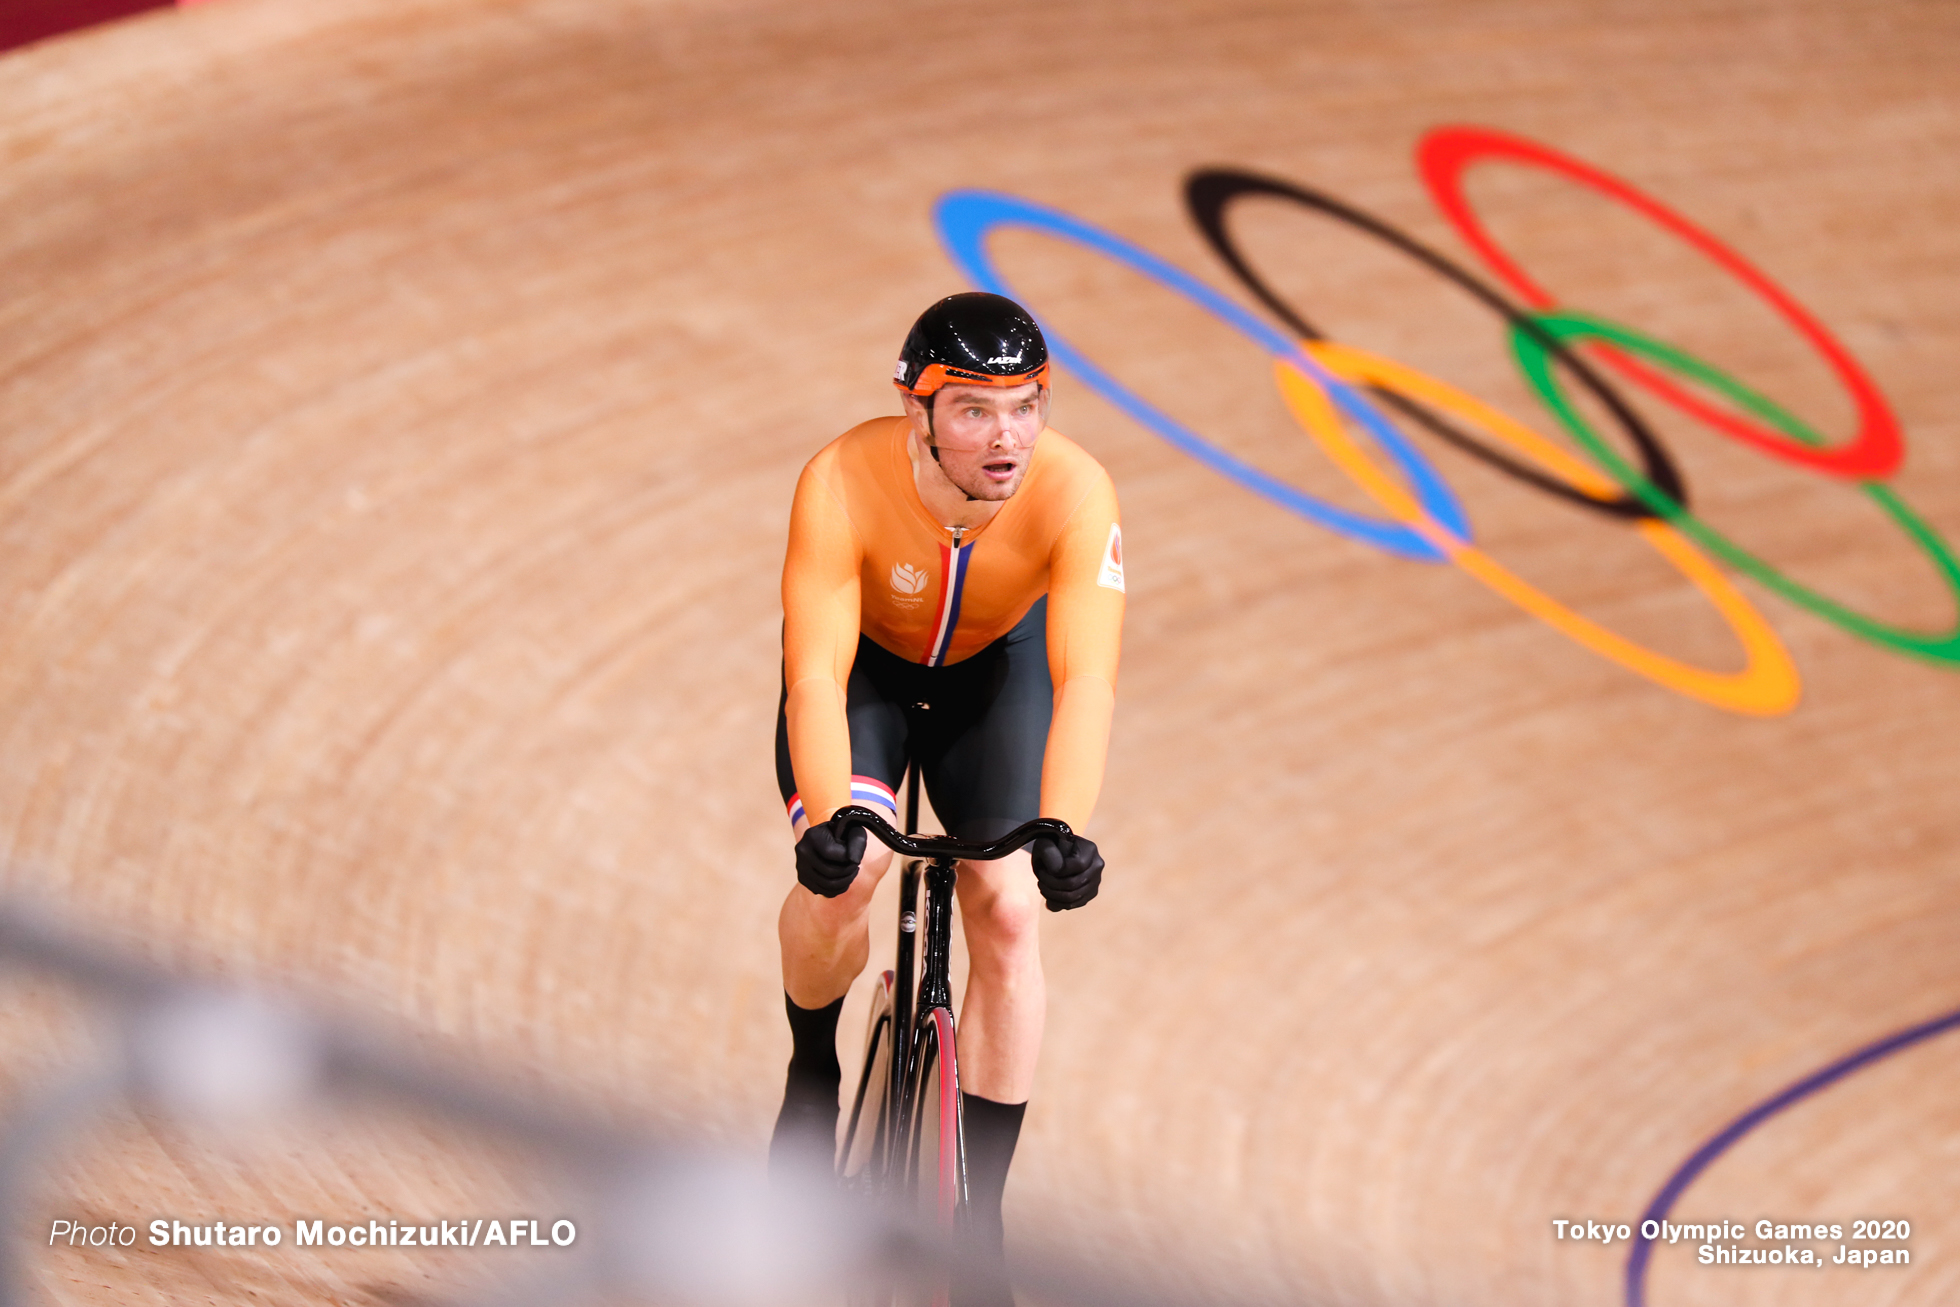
(935, 975)
(931, 861)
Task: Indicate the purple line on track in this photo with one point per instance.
(1723, 1140)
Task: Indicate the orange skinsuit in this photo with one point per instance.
(865, 556)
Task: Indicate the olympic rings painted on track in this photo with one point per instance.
(1533, 360)
(1874, 452)
(1768, 684)
(966, 218)
(1209, 194)
(1729, 1135)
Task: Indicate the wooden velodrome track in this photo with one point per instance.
(399, 406)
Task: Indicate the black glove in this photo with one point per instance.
(1069, 870)
(827, 856)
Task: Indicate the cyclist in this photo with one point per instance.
(953, 593)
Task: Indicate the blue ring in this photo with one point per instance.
(965, 218)
(1725, 1138)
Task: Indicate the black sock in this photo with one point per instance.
(992, 1130)
(806, 1128)
(813, 1050)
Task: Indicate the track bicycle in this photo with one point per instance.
(903, 1143)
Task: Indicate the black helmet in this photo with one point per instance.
(973, 339)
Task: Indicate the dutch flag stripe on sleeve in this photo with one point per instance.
(864, 789)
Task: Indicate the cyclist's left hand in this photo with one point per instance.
(1069, 870)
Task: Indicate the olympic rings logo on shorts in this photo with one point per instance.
(1327, 386)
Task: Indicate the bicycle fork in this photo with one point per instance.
(935, 988)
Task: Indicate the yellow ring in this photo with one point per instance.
(1768, 684)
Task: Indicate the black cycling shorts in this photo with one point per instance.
(978, 728)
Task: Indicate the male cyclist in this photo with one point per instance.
(953, 593)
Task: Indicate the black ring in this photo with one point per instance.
(1210, 191)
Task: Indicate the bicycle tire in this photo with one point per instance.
(935, 1169)
(928, 1175)
(863, 1154)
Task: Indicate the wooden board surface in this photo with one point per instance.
(399, 406)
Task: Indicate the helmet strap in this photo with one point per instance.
(932, 443)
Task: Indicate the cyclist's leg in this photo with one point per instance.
(824, 945)
(825, 942)
(1001, 1022)
(1006, 1002)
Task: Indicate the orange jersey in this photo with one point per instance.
(865, 556)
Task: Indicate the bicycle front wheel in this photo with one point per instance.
(863, 1157)
(936, 1157)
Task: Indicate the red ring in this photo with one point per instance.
(1878, 447)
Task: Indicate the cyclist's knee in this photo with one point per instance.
(1002, 912)
(877, 861)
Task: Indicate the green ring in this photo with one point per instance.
(1534, 360)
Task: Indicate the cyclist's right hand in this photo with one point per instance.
(827, 856)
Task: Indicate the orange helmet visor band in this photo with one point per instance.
(936, 376)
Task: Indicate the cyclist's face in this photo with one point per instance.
(986, 435)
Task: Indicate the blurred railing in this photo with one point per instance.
(670, 1221)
